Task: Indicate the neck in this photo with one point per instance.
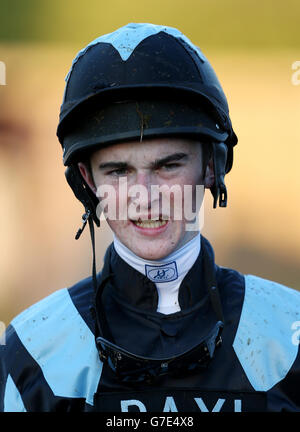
(167, 273)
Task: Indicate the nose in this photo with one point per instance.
(140, 193)
(144, 179)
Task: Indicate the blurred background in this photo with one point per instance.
(251, 44)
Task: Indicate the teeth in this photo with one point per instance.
(150, 223)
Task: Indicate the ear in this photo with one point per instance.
(209, 177)
(87, 176)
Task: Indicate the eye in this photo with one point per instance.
(118, 172)
(171, 166)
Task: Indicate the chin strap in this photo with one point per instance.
(219, 190)
(84, 194)
(85, 218)
(96, 309)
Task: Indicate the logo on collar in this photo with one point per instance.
(162, 273)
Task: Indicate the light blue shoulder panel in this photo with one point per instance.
(12, 398)
(126, 39)
(59, 340)
(265, 342)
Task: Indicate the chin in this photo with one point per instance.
(148, 247)
(153, 254)
(153, 250)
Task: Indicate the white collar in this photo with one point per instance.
(167, 273)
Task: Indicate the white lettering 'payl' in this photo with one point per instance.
(127, 403)
(170, 405)
(237, 405)
(218, 405)
(203, 407)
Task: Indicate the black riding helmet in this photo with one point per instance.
(141, 81)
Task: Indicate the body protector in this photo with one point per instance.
(143, 81)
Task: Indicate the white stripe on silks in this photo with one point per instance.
(264, 338)
(59, 340)
(12, 398)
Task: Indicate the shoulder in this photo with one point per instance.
(54, 342)
(53, 314)
(264, 339)
(271, 296)
(57, 311)
(41, 311)
(270, 304)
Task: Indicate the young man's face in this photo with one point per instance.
(133, 171)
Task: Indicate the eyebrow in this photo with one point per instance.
(158, 163)
(171, 158)
(113, 165)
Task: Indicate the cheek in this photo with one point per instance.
(112, 201)
(190, 193)
(194, 175)
(120, 229)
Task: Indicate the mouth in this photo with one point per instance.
(150, 225)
